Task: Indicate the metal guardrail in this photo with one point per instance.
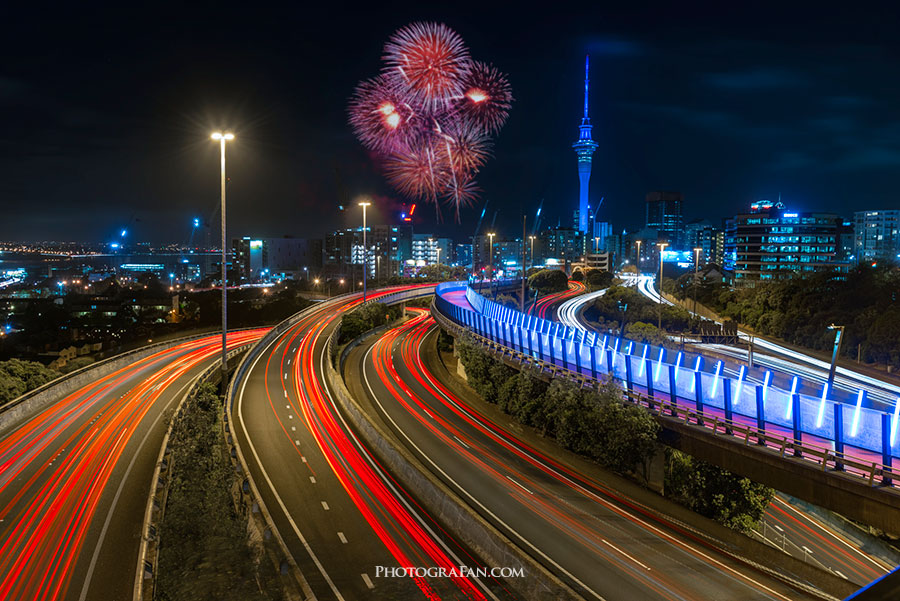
(665, 405)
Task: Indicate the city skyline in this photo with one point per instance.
(755, 109)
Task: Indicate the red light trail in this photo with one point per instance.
(66, 453)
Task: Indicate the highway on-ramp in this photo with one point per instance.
(75, 477)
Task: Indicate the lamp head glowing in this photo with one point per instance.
(364, 203)
(220, 136)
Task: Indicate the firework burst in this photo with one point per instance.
(464, 148)
(431, 59)
(486, 98)
(431, 114)
(382, 118)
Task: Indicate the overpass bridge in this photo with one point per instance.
(835, 455)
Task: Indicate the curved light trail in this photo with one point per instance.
(799, 363)
(604, 544)
(68, 501)
(543, 307)
(326, 487)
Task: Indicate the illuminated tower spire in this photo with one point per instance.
(584, 148)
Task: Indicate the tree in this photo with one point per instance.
(365, 318)
(731, 500)
(18, 377)
(646, 332)
(598, 279)
(547, 281)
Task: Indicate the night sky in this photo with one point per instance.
(106, 112)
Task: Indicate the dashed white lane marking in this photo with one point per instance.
(325, 506)
(285, 376)
(368, 581)
(297, 442)
(285, 394)
(287, 406)
(461, 442)
(312, 479)
(342, 537)
(303, 458)
(645, 566)
(519, 485)
(293, 428)
(290, 417)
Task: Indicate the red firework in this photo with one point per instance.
(461, 192)
(486, 98)
(430, 114)
(464, 147)
(418, 174)
(431, 59)
(381, 117)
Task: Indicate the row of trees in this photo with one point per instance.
(866, 300)
(18, 377)
(624, 304)
(593, 423)
(618, 435)
(203, 539)
(365, 318)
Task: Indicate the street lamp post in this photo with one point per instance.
(531, 238)
(838, 339)
(222, 138)
(696, 275)
(638, 260)
(491, 256)
(662, 246)
(364, 204)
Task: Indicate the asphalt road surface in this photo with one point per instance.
(342, 517)
(600, 542)
(75, 477)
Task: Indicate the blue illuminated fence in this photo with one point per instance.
(667, 374)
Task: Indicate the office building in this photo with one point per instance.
(772, 243)
(388, 249)
(257, 259)
(663, 210)
(430, 250)
(702, 234)
(876, 235)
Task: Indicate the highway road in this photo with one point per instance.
(882, 395)
(545, 307)
(807, 537)
(75, 477)
(788, 527)
(342, 517)
(602, 543)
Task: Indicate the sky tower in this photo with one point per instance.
(584, 148)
